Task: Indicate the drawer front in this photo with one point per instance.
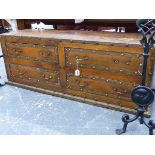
(100, 87)
(94, 74)
(104, 60)
(33, 52)
(35, 74)
(33, 63)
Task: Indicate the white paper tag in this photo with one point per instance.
(77, 72)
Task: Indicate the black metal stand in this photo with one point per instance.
(142, 95)
(0, 76)
(140, 114)
(2, 84)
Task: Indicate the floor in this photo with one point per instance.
(24, 112)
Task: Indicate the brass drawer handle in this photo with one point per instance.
(119, 92)
(45, 53)
(83, 58)
(82, 85)
(17, 51)
(21, 72)
(48, 77)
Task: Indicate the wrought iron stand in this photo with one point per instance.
(142, 95)
(0, 76)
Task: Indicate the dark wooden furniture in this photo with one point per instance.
(45, 61)
(2, 28)
(129, 24)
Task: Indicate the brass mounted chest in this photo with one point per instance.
(110, 65)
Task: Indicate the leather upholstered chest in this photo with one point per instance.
(110, 65)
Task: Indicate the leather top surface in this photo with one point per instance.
(77, 35)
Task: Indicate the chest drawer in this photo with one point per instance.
(33, 52)
(118, 77)
(33, 63)
(100, 87)
(35, 74)
(123, 62)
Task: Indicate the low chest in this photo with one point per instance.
(109, 65)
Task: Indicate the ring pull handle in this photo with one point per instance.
(17, 51)
(82, 85)
(120, 92)
(86, 58)
(21, 72)
(82, 58)
(47, 77)
(45, 53)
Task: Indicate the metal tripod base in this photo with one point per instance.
(2, 84)
(140, 114)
